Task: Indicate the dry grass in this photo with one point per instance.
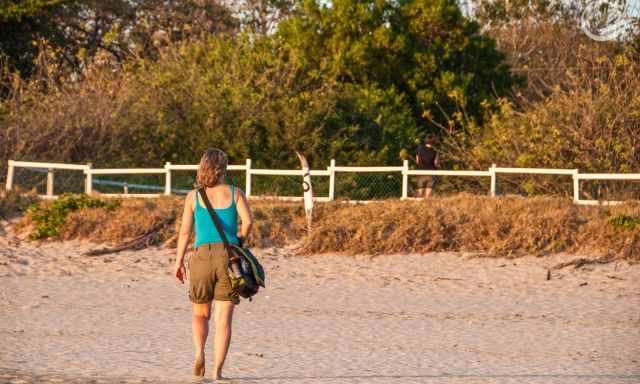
(15, 201)
(506, 226)
(276, 223)
(132, 218)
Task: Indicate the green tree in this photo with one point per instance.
(242, 95)
(22, 23)
(80, 31)
(579, 108)
(425, 51)
(236, 93)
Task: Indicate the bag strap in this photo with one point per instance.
(216, 220)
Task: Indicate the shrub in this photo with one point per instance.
(50, 217)
(580, 107)
(625, 221)
(592, 124)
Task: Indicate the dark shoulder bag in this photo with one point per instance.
(245, 271)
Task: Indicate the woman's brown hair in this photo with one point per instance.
(212, 168)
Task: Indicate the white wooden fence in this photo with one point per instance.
(330, 172)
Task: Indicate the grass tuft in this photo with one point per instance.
(625, 221)
(50, 217)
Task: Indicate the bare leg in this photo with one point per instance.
(223, 316)
(428, 192)
(200, 325)
(420, 192)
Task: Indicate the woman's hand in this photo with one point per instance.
(180, 271)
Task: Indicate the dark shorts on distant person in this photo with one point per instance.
(427, 181)
(208, 275)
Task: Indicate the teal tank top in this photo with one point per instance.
(206, 232)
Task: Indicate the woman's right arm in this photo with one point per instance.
(184, 235)
(246, 217)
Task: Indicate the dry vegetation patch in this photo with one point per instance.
(276, 223)
(506, 226)
(131, 218)
(15, 201)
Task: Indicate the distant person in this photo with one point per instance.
(427, 158)
(207, 266)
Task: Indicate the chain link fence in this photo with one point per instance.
(270, 185)
(368, 186)
(451, 185)
(530, 185)
(65, 181)
(610, 190)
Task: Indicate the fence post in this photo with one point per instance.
(50, 182)
(167, 178)
(247, 179)
(492, 170)
(10, 169)
(405, 179)
(576, 186)
(332, 179)
(88, 185)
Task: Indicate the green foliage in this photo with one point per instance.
(579, 108)
(425, 51)
(23, 26)
(208, 92)
(238, 94)
(49, 218)
(625, 221)
(592, 123)
(17, 10)
(358, 81)
(75, 33)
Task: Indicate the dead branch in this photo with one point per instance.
(581, 262)
(143, 241)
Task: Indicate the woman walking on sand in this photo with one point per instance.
(207, 273)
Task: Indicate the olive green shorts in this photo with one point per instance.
(427, 181)
(208, 275)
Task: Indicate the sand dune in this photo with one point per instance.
(435, 318)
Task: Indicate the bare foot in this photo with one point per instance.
(198, 366)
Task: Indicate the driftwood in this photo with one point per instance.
(143, 241)
(581, 262)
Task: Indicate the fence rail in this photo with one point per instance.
(330, 172)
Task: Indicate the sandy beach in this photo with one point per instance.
(433, 318)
